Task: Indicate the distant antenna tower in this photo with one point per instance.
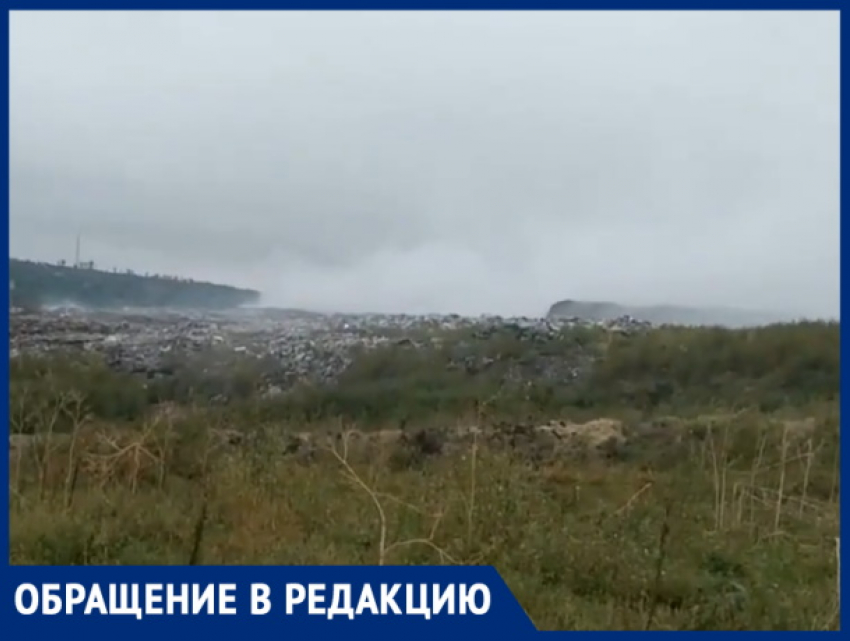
(77, 255)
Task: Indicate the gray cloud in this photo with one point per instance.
(469, 162)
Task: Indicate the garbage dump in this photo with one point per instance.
(293, 346)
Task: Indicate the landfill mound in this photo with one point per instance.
(664, 314)
(293, 348)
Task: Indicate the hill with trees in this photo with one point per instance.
(34, 284)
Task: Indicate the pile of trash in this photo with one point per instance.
(292, 346)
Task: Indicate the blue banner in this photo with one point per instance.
(418, 602)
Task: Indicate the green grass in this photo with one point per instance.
(719, 512)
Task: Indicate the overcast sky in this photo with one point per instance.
(451, 162)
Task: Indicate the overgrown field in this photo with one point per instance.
(688, 481)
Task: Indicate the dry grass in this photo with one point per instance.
(720, 517)
(725, 538)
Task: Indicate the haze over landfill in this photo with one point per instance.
(437, 162)
(531, 291)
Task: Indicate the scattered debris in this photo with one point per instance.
(293, 347)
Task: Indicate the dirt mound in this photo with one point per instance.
(556, 439)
